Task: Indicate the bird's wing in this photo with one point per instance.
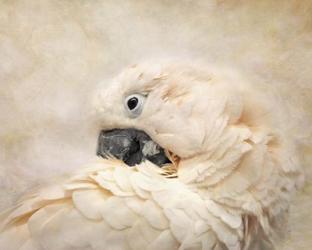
(111, 205)
(98, 207)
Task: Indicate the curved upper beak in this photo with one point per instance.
(131, 146)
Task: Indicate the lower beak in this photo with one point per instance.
(131, 146)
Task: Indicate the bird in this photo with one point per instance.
(188, 157)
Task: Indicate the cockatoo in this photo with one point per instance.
(190, 157)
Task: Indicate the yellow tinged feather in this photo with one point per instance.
(90, 202)
(117, 214)
(154, 215)
(165, 241)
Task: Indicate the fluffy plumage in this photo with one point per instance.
(239, 166)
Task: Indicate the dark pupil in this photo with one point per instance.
(132, 103)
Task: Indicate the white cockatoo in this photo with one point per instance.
(192, 158)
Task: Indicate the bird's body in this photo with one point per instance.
(235, 166)
(108, 205)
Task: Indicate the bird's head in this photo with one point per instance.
(218, 131)
(181, 108)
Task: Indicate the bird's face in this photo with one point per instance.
(165, 113)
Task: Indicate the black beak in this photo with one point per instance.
(131, 146)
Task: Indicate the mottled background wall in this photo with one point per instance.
(53, 53)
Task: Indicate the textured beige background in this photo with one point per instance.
(53, 53)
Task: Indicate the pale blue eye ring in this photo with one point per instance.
(134, 104)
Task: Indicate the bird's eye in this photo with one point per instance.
(134, 104)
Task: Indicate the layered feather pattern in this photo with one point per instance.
(108, 205)
(239, 166)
